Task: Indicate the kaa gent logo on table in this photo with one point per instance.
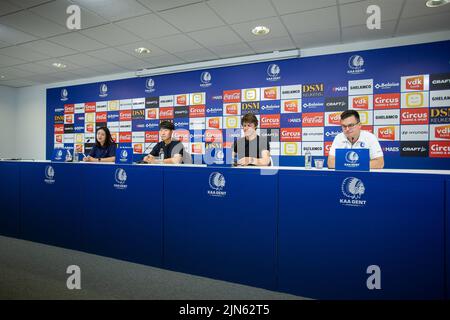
(121, 178)
(353, 190)
(49, 175)
(216, 184)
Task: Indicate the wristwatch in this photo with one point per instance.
(99, 159)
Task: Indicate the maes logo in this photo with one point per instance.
(217, 184)
(353, 190)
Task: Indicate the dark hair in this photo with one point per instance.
(108, 139)
(249, 118)
(348, 113)
(166, 125)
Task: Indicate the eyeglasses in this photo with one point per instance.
(350, 126)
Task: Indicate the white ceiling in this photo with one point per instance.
(33, 33)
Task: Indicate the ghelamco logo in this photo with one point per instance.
(149, 85)
(121, 178)
(273, 72)
(355, 64)
(205, 78)
(49, 175)
(353, 190)
(103, 91)
(64, 94)
(216, 184)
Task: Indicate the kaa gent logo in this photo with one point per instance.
(353, 189)
(64, 94)
(217, 184)
(121, 178)
(123, 155)
(351, 157)
(273, 71)
(103, 91)
(149, 85)
(205, 78)
(49, 175)
(355, 64)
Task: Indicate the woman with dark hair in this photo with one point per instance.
(104, 149)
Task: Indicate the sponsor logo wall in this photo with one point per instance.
(410, 112)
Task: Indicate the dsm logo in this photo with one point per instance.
(273, 72)
(103, 91)
(149, 85)
(217, 184)
(121, 178)
(205, 78)
(49, 175)
(353, 190)
(355, 63)
(64, 94)
(351, 157)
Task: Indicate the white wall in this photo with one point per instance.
(31, 101)
(8, 97)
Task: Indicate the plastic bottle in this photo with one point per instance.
(308, 160)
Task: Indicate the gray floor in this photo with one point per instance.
(31, 270)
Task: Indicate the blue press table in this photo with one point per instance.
(285, 230)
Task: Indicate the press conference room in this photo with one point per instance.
(224, 150)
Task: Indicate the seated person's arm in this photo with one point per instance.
(176, 159)
(331, 162)
(265, 160)
(108, 159)
(149, 158)
(377, 163)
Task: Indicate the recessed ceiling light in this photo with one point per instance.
(142, 50)
(59, 65)
(436, 3)
(260, 30)
(2, 77)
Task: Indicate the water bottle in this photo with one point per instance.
(161, 155)
(308, 160)
(68, 156)
(75, 155)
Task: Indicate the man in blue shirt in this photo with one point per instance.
(173, 150)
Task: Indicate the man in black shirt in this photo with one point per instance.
(251, 149)
(173, 150)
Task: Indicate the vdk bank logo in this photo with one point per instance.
(273, 72)
(49, 175)
(353, 189)
(355, 64)
(121, 178)
(64, 94)
(205, 78)
(217, 184)
(103, 91)
(149, 85)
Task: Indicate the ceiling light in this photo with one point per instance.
(260, 30)
(2, 77)
(59, 65)
(436, 3)
(142, 50)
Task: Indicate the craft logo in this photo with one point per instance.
(149, 85)
(313, 119)
(232, 96)
(152, 136)
(442, 132)
(387, 101)
(291, 134)
(291, 106)
(270, 93)
(121, 178)
(360, 102)
(217, 185)
(386, 133)
(439, 115)
(64, 95)
(414, 116)
(440, 149)
(103, 91)
(336, 104)
(270, 121)
(415, 83)
(166, 113)
(356, 64)
(414, 149)
(152, 102)
(353, 190)
(205, 78)
(313, 90)
(181, 112)
(50, 172)
(197, 111)
(181, 100)
(440, 81)
(273, 72)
